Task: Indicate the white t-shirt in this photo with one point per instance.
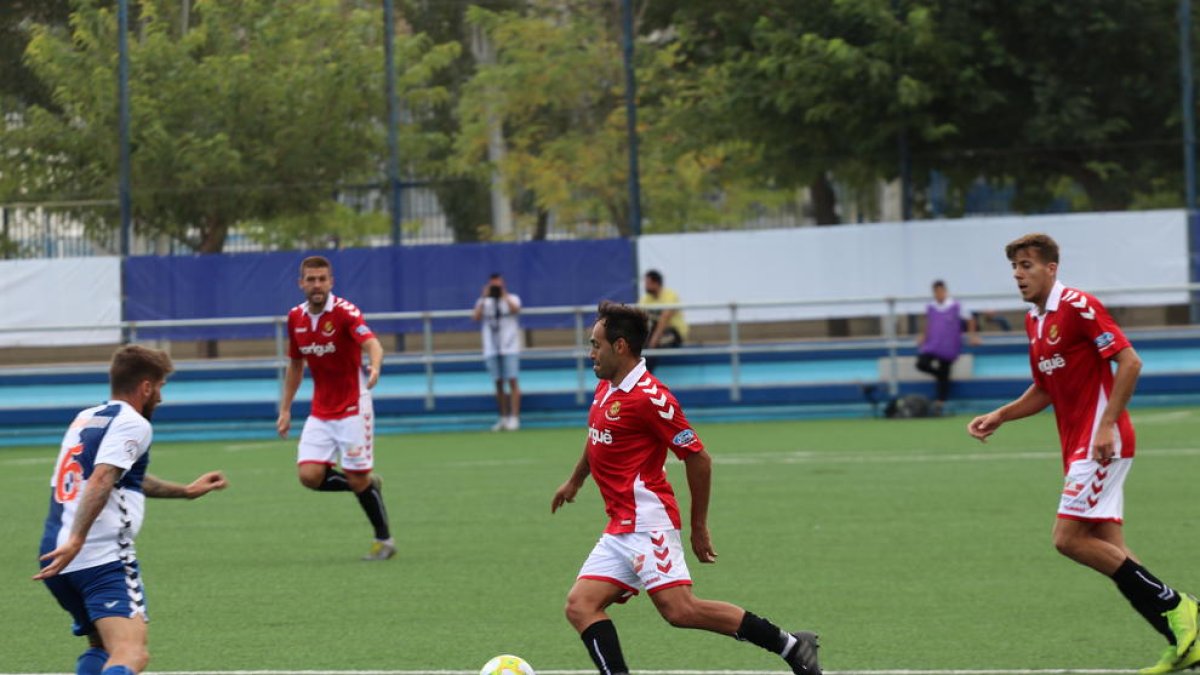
(499, 326)
(116, 434)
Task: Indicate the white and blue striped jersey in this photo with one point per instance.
(112, 433)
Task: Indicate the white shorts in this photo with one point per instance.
(1095, 492)
(348, 441)
(637, 560)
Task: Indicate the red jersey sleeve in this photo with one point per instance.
(356, 325)
(664, 416)
(1093, 320)
(293, 348)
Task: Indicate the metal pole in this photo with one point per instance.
(1188, 101)
(735, 355)
(635, 196)
(580, 377)
(1187, 95)
(889, 333)
(427, 357)
(389, 68)
(902, 148)
(123, 114)
(280, 361)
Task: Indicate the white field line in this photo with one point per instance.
(979, 671)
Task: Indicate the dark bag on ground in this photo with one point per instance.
(908, 407)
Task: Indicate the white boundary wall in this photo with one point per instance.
(64, 292)
(1098, 251)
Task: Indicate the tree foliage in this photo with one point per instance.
(258, 113)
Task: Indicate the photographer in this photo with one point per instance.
(496, 310)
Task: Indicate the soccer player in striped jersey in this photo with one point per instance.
(97, 499)
(1073, 341)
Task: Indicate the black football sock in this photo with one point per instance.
(1149, 596)
(604, 647)
(758, 631)
(372, 503)
(335, 481)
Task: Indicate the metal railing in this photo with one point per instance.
(888, 310)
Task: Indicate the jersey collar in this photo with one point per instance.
(1052, 300)
(634, 376)
(328, 306)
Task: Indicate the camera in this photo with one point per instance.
(495, 291)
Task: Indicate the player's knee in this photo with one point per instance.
(310, 481)
(580, 612)
(1066, 545)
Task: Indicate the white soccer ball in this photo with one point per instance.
(507, 664)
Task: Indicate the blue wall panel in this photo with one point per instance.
(415, 278)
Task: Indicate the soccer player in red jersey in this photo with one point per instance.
(1072, 342)
(329, 333)
(633, 421)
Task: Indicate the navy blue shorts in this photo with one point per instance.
(113, 589)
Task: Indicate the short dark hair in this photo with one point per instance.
(655, 276)
(624, 321)
(315, 261)
(134, 364)
(495, 275)
(938, 283)
(1046, 248)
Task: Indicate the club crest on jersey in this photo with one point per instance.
(327, 329)
(614, 412)
(1105, 339)
(1053, 338)
(1049, 365)
(685, 437)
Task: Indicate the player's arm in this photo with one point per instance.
(374, 360)
(153, 486)
(1034, 400)
(291, 384)
(699, 478)
(477, 314)
(567, 491)
(91, 503)
(664, 320)
(1129, 367)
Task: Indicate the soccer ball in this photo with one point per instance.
(507, 664)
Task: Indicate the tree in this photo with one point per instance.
(463, 195)
(18, 86)
(259, 112)
(558, 88)
(1054, 98)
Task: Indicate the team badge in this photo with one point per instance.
(685, 437)
(614, 412)
(327, 329)
(1053, 337)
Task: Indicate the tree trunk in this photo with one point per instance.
(212, 237)
(467, 205)
(543, 225)
(824, 201)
